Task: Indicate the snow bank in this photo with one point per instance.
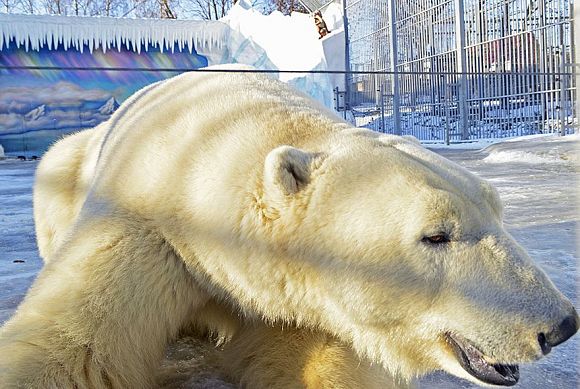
(552, 149)
(291, 43)
(522, 157)
(465, 145)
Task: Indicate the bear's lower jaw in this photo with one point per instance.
(474, 362)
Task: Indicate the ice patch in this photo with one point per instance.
(520, 156)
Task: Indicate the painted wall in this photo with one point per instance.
(39, 106)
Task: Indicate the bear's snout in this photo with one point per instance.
(560, 333)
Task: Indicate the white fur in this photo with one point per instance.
(233, 204)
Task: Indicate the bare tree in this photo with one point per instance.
(206, 9)
(164, 9)
(116, 8)
(289, 6)
(107, 8)
(7, 6)
(167, 9)
(28, 6)
(17, 6)
(55, 7)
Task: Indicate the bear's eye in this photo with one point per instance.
(436, 239)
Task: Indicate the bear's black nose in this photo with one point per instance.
(559, 334)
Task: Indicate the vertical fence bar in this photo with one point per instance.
(396, 91)
(347, 77)
(382, 91)
(575, 37)
(447, 93)
(573, 68)
(461, 67)
(563, 77)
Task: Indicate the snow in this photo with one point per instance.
(299, 35)
(502, 152)
(464, 145)
(535, 152)
(539, 212)
(36, 31)
(521, 157)
(291, 43)
(17, 238)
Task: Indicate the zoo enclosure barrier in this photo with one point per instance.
(430, 105)
(461, 69)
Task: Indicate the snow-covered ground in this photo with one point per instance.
(17, 238)
(537, 178)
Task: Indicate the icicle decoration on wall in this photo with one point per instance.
(36, 31)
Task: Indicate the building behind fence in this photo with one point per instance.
(461, 69)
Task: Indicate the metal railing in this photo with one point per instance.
(496, 105)
(462, 69)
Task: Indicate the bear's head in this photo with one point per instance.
(403, 254)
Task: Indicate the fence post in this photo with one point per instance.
(545, 80)
(575, 70)
(394, 60)
(382, 92)
(461, 64)
(563, 83)
(347, 76)
(447, 106)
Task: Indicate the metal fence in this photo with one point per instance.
(461, 69)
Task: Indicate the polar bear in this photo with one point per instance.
(321, 255)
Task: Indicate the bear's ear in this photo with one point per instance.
(286, 172)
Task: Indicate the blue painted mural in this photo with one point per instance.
(38, 106)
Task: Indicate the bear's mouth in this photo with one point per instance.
(474, 362)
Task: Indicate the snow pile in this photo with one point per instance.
(533, 150)
(291, 43)
(37, 31)
(521, 156)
